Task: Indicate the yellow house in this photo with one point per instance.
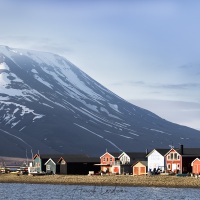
(140, 168)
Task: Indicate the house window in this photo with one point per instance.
(48, 167)
(110, 159)
(104, 159)
(107, 159)
(168, 166)
(173, 156)
(178, 166)
(63, 162)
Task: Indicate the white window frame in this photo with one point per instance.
(171, 156)
(48, 167)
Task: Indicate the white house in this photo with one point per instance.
(156, 159)
(124, 158)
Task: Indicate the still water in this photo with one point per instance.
(44, 191)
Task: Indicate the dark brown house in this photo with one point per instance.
(78, 164)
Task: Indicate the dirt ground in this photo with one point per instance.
(125, 180)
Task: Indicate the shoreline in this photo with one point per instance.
(118, 180)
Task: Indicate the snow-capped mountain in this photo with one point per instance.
(49, 105)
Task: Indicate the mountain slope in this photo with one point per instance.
(48, 104)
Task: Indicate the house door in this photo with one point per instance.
(173, 167)
(142, 170)
(116, 170)
(136, 171)
(198, 169)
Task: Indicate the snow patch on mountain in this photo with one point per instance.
(34, 71)
(159, 131)
(88, 130)
(106, 111)
(42, 81)
(114, 107)
(4, 66)
(23, 110)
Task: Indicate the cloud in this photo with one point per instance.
(183, 86)
(132, 83)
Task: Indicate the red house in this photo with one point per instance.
(179, 160)
(174, 161)
(110, 163)
(196, 166)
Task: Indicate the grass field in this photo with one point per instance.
(125, 180)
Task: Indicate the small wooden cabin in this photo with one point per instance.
(52, 167)
(196, 166)
(39, 162)
(140, 168)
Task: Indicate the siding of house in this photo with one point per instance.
(37, 164)
(174, 161)
(63, 167)
(196, 166)
(155, 161)
(124, 158)
(107, 160)
(139, 169)
(50, 167)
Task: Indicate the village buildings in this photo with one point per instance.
(180, 160)
(169, 161)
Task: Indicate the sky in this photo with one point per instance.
(145, 51)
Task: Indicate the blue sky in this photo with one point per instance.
(146, 51)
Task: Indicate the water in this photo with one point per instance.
(15, 191)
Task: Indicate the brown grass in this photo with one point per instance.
(152, 181)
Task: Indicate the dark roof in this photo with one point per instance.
(69, 157)
(47, 156)
(115, 154)
(134, 155)
(189, 151)
(162, 151)
(80, 158)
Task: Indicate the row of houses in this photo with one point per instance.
(63, 164)
(177, 160)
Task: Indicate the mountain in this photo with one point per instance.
(49, 105)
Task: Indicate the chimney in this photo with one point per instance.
(181, 149)
(147, 151)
